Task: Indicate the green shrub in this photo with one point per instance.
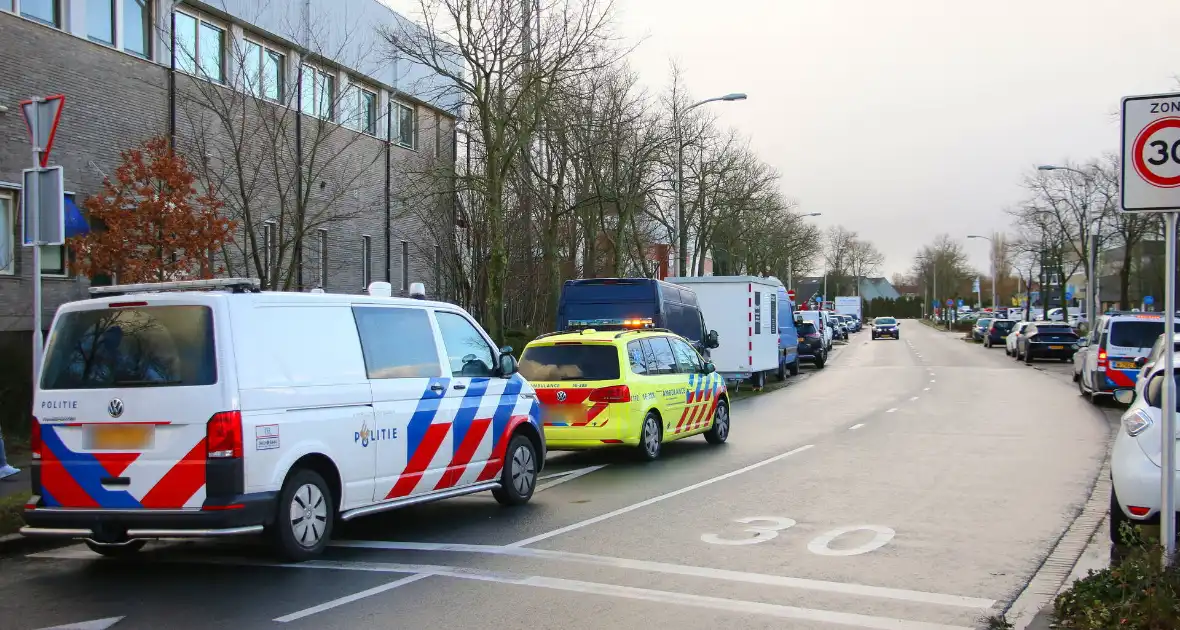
(1139, 593)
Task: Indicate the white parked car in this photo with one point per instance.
(168, 412)
(1135, 458)
(1013, 337)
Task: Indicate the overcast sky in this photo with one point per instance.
(904, 119)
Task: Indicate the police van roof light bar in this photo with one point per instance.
(236, 285)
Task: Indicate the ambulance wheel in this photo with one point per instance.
(303, 524)
(719, 432)
(794, 368)
(518, 479)
(651, 437)
(116, 550)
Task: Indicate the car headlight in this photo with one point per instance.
(1136, 422)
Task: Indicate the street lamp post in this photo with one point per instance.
(995, 269)
(682, 255)
(791, 260)
(1092, 301)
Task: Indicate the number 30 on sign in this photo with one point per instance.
(1151, 153)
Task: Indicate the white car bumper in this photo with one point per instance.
(1136, 478)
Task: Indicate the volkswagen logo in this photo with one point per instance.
(115, 408)
(560, 396)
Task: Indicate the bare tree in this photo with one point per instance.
(864, 260)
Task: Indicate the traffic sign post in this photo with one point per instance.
(791, 294)
(44, 200)
(1150, 182)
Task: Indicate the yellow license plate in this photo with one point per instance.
(565, 415)
(1124, 365)
(121, 437)
(1057, 347)
(800, 339)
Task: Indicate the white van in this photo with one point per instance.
(167, 412)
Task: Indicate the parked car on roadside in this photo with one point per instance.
(1107, 359)
(822, 324)
(979, 331)
(997, 332)
(1135, 457)
(811, 344)
(1013, 339)
(1047, 340)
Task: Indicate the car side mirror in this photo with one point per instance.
(709, 367)
(1124, 396)
(507, 362)
(711, 339)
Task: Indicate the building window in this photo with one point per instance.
(264, 69)
(7, 235)
(200, 47)
(268, 251)
(100, 21)
(366, 260)
(323, 233)
(360, 110)
(137, 27)
(407, 125)
(405, 265)
(44, 11)
(53, 260)
(318, 92)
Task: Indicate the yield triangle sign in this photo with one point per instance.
(41, 118)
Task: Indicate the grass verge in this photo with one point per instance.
(11, 508)
(1136, 593)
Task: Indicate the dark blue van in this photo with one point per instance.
(606, 303)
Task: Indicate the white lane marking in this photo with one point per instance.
(95, 624)
(655, 499)
(913, 398)
(891, 410)
(925, 389)
(568, 476)
(856, 426)
(680, 569)
(348, 599)
(819, 544)
(630, 592)
(931, 380)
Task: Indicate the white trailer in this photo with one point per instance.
(744, 311)
(849, 306)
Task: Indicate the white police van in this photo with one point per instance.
(207, 408)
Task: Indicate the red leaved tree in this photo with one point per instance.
(149, 224)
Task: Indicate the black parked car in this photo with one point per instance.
(1047, 340)
(811, 344)
(997, 333)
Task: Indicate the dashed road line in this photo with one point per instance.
(567, 476)
(891, 410)
(913, 398)
(925, 389)
(856, 426)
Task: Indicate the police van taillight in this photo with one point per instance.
(223, 435)
(35, 438)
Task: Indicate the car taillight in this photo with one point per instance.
(612, 394)
(1102, 357)
(35, 438)
(812, 335)
(223, 435)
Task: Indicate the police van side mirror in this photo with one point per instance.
(508, 365)
(711, 339)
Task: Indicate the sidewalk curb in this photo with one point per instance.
(16, 544)
(1058, 566)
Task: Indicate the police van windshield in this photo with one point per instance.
(570, 362)
(141, 346)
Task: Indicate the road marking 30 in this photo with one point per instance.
(820, 545)
(762, 533)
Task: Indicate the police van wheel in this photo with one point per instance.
(794, 368)
(303, 524)
(781, 373)
(719, 432)
(116, 550)
(651, 438)
(519, 476)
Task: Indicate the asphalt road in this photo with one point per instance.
(913, 484)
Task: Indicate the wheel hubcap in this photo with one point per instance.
(721, 419)
(524, 470)
(651, 436)
(309, 515)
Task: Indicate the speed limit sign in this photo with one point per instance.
(1151, 153)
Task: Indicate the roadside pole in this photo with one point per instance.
(1149, 182)
(43, 211)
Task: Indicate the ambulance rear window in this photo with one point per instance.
(570, 362)
(140, 346)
